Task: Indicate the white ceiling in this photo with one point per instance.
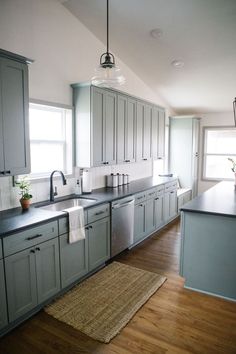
(202, 33)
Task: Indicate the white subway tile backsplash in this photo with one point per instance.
(9, 195)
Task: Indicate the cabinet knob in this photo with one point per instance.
(37, 248)
(32, 251)
(90, 227)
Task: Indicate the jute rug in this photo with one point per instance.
(104, 303)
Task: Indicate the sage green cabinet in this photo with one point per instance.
(14, 124)
(74, 259)
(32, 276)
(170, 201)
(126, 117)
(139, 221)
(98, 234)
(3, 303)
(143, 131)
(161, 133)
(150, 212)
(95, 118)
(159, 211)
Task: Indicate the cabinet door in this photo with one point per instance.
(74, 260)
(159, 211)
(139, 130)
(98, 243)
(3, 303)
(147, 133)
(109, 125)
(21, 283)
(98, 113)
(161, 134)
(120, 126)
(15, 107)
(2, 164)
(150, 216)
(173, 204)
(155, 133)
(130, 131)
(139, 221)
(47, 269)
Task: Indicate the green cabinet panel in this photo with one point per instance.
(47, 269)
(150, 216)
(139, 130)
(98, 114)
(139, 221)
(170, 205)
(32, 276)
(109, 124)
(147, 133)
(1, 249)
(14, 125)
(98, 242)
(21, 283)
(74, 260)
(126, 116)
(159, 211)
(155, 133)
(161, 133)
(143, 131)
(3, 303)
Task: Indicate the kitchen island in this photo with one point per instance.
(208, 242)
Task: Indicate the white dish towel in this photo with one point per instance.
(76, 223)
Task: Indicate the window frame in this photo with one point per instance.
(205, 154)
(64, 106)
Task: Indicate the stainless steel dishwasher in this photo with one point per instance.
(122, 224)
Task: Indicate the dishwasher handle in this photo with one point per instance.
(121, 205)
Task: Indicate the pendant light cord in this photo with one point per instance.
(107, 26)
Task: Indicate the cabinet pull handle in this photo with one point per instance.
(33, 237)
(2, 172)
(144, 159)
(32, 251)
(86, 228)
(127, 160)
(156, 198)
(139, 198)
(7, 172)
(172, 192)
(37, 248)
(90, 227)
(141, 205)
(100, 212)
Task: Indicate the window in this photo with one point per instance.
(219, 144)
(50, 139)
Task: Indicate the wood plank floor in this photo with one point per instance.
(174, 320)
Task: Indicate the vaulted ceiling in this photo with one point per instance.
(199, 33)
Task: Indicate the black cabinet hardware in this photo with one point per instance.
(33, 237)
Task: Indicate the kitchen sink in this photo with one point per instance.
(68, 203)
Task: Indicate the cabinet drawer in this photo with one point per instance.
(160, 189)
(171, 186)
(29, 237)
(63, 223)
(98, 212)
(0, 249)
(140, 197)
(151, 193)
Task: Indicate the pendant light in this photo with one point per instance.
(108, 74)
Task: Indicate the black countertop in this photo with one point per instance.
(219, 200)
(12, 220)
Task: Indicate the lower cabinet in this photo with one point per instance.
(32, 276)
(159, 211)
(74, 259)
(170, 201)
(139, 221)
(98, 234)
(3, 303)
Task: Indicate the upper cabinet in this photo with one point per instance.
(14, 121)
(95, 119)
(112, 127)
(126, 116)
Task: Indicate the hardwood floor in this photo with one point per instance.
(174, 320)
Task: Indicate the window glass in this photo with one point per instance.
(219, 144)
(50, 139)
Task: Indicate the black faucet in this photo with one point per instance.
(52, 193)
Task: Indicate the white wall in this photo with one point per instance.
(211, 119)
(65, 52)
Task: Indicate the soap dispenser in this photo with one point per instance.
(78, 189)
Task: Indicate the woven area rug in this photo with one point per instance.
(104, 303)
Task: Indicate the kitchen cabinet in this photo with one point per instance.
(33, 273)
(170, 201)
(126, 117)
(184, 155)
(73, 257)
(14, 120)
(98, 234)
(150, 212)
(3, 303)
(159, 207)
(161, 133)
(95, 120)
(143, 131)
